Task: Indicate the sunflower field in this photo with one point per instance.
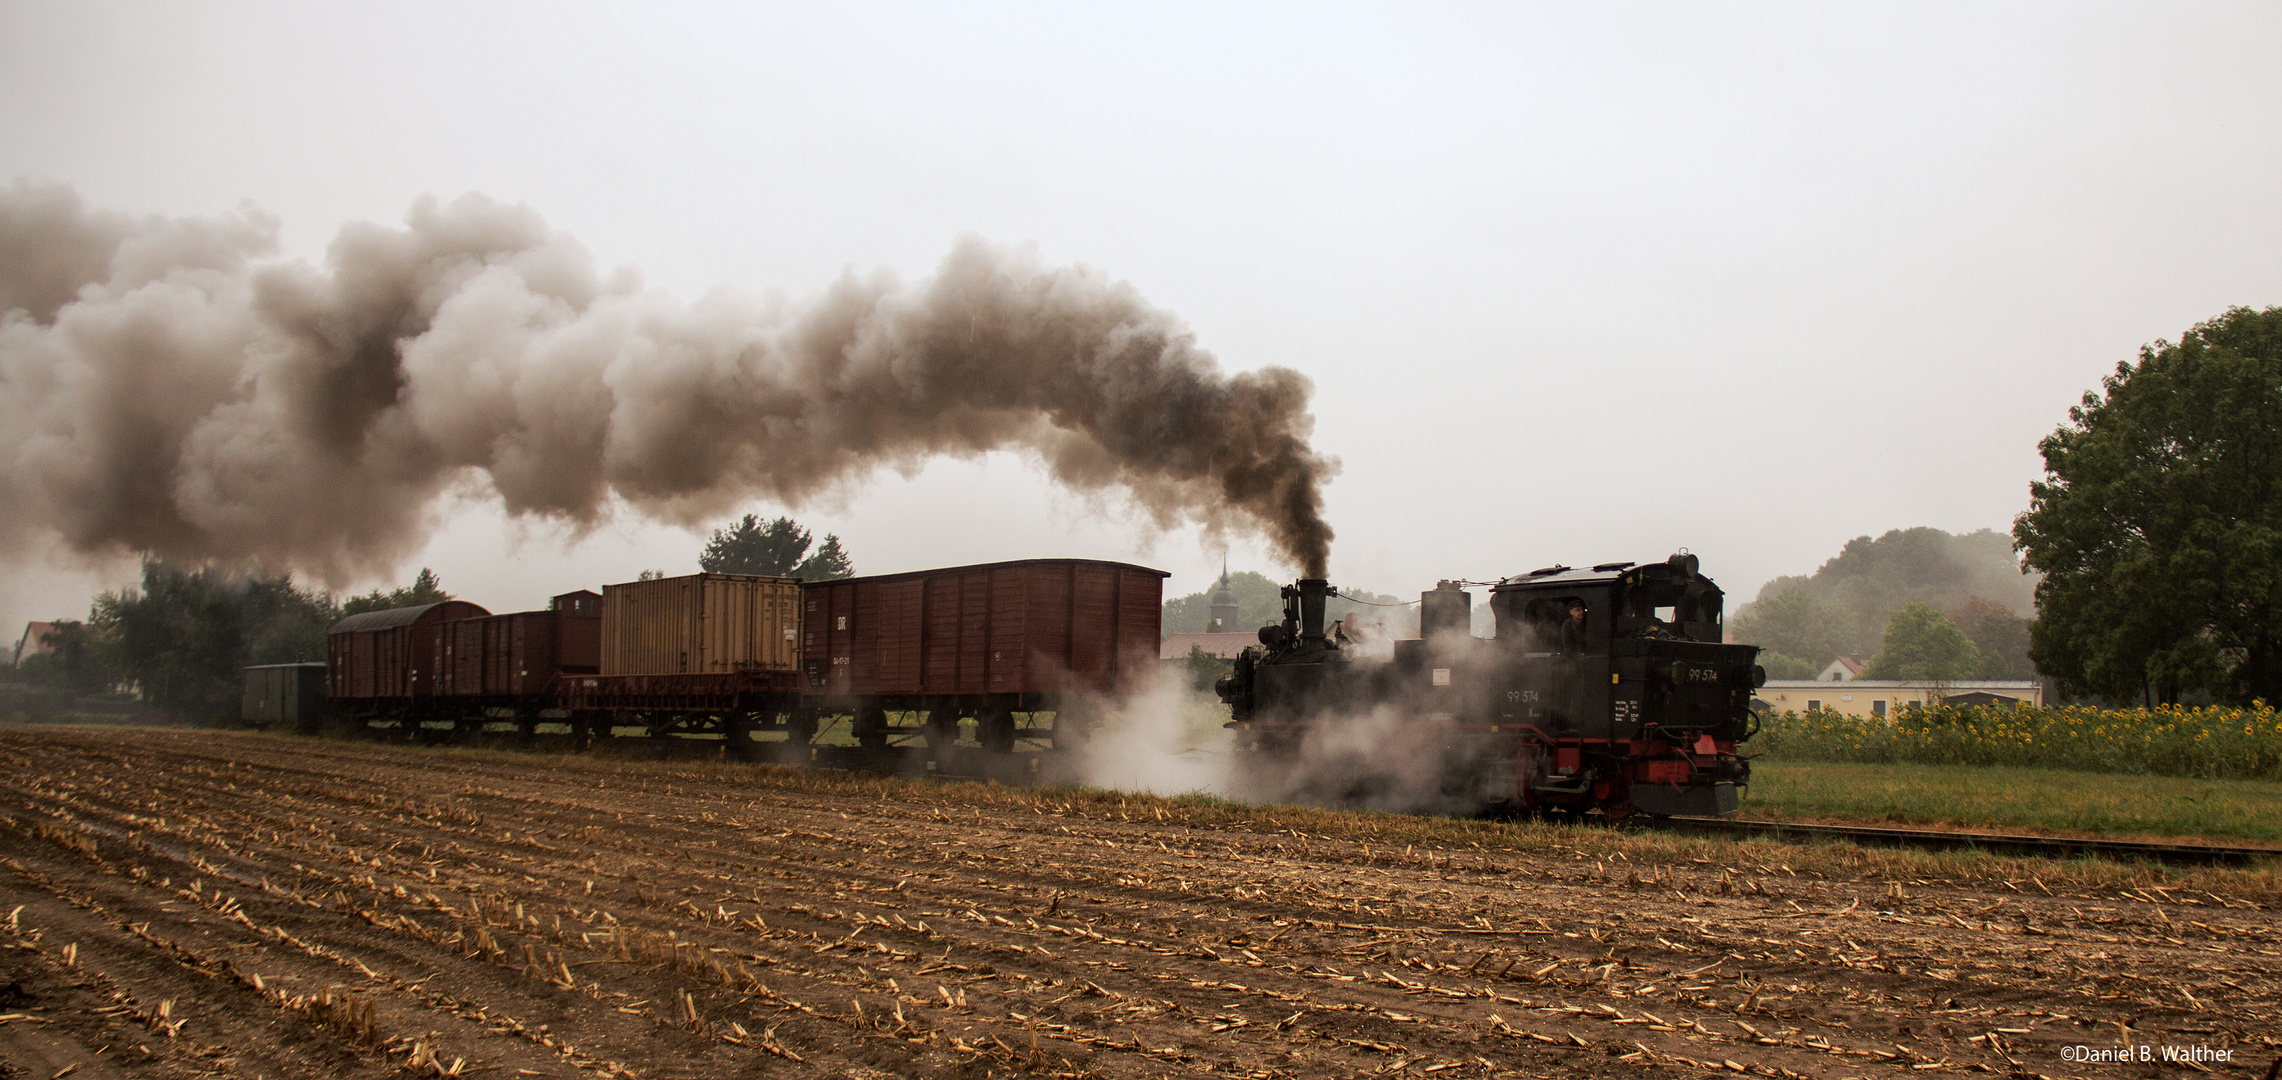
(2211, 741)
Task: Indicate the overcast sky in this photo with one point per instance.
(1573, 282)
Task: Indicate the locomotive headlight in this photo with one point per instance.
(1758, 676)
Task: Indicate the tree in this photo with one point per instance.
(1795, 623)
(1259, 601)
(75, 660)
(1203, 669)
(1921, 643)
(2158, 525)
(829, 563)
(184, 636)
(774, 549)
(1861, 587)
(1779, 666)
(425, 589)
(2000, 635)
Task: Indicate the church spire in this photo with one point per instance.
(1224, 610)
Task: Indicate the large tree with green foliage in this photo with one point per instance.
(1855, 593)
(1798, 631)
(74, 661)
(1921, 643)
(775, 549)
(184, 636)
(1999, 635)
(2158, 525)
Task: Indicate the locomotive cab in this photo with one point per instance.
(1641, 706)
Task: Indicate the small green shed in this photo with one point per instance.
(285, 696)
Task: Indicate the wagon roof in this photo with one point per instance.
(988, 566)
(387, 617)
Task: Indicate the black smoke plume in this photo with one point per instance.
(169, 386)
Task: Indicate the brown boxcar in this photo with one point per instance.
(1035, 627)
(391, 654)
(519, 654)
(701, 623)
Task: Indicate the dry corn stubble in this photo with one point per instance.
(1061, 915)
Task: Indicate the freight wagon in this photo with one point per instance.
(383, 663)
(993, 654)
(289, 696)
(995, 647)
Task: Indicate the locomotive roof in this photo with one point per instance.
(1558, 576)
(396, 616)
(1569, 575)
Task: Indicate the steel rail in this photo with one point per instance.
(2057, 847)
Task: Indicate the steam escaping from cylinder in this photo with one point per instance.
(170, 387)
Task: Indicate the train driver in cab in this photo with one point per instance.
(1573, 628)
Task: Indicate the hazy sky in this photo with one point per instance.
(1574, 282)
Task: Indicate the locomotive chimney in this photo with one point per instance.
(1447, 609)
(1312, 592)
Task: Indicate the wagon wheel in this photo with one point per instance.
(1075, 723)
(737, 733)
(994, 729)
(942, 728)
(871, 727)
(801, 728)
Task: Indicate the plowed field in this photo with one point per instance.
(211, 904)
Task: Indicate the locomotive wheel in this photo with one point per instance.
(994, 729)
(871, 727)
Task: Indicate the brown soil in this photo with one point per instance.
(207, 904)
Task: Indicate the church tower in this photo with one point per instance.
(1223, 605)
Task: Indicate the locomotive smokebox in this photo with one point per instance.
(1447, 609)
(1312, 592)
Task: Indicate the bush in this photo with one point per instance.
(2215, 741)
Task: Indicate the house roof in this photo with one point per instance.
(1224, 646)
(1859, 685)
(30, 644)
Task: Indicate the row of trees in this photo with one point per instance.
(1259, 601)
(2154, 542)
(778, 549)
(1845, 607)
(180, 640)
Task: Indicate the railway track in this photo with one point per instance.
(2054, 847)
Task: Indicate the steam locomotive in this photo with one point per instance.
(1606, 689)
